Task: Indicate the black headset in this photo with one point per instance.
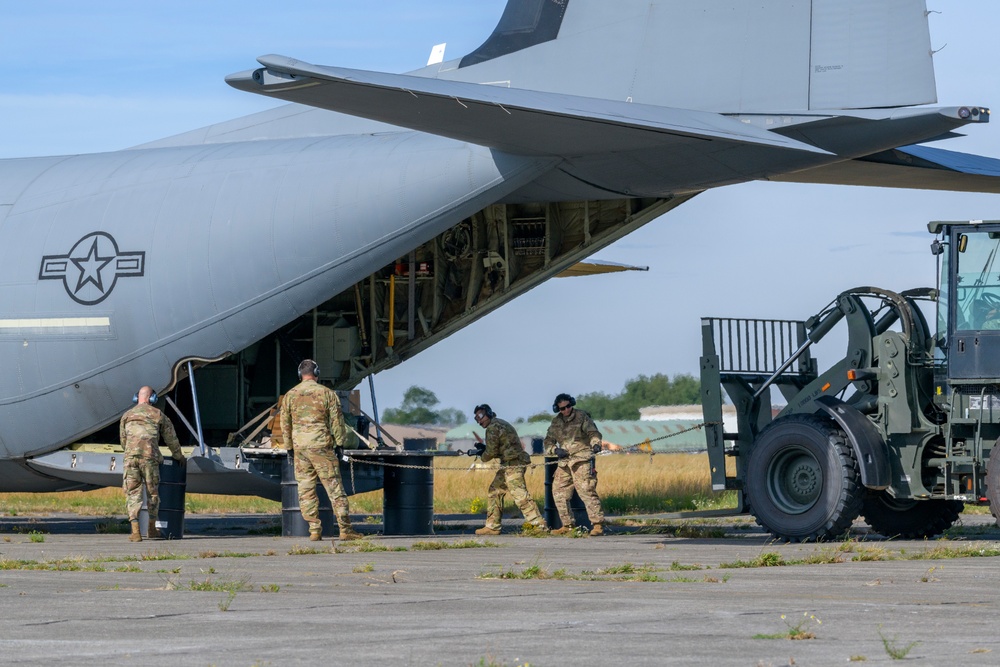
(153, 398)
(306, 370)
(486, 410)
(559, 399)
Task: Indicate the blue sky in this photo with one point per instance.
(87, 77)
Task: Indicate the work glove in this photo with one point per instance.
(561, 453)
(339, 452)
(182, 460)
(480, 448)
(596, 448)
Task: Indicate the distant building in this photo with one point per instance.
(658, 413)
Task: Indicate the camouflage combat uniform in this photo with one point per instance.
(140, 430)
(311, 421)
(576, 434)
(502, 443)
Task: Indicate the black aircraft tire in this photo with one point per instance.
(909, 519)
(802, 480)
(993, 481)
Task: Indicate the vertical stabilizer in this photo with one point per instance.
(726, 56)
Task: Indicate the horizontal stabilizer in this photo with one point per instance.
(512, 120)
(914, 167)
(595, 267)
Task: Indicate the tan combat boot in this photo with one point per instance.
(565, 530)
(486, 530)
(347, 534)
(598, 529)
(153, 532)
(315, 533)
(136, 536)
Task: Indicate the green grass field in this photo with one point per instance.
(627, 484)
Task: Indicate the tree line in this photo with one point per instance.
(420, 405)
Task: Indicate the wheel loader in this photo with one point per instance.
(898, 431)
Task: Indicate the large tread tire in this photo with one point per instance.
(803, 481)
(909, 519)
(993, 481)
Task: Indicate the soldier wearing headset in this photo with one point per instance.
(311, 424)
(140, 431)
(502, 443)
(573, 439)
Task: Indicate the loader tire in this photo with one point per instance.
(907, 518)
(803, 482)
(993, 481)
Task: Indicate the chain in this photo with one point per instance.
(645, 446)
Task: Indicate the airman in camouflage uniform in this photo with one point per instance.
(140, 431)
(574, 439)
(503, 444)
(311, 421)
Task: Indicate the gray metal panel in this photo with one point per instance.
(870, 54)
(727, 56)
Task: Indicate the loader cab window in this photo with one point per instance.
(976, 280)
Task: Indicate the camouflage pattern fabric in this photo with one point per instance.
(311, 417)
(577, 434)
(141, 472)
(579, 475)
(511, 480)
(140, 430)
(311, 422)
(503, 443)
(312, 465)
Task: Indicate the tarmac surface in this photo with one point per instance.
(233, 592)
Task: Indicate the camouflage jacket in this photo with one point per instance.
(502, 443)
(576, 434)
(140, 430)
(311, 417)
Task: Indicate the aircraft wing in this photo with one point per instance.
(516, 121)
(596, 267)
(915, 167)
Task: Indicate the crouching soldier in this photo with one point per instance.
(502, 443)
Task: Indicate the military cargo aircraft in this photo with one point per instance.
(376, 214)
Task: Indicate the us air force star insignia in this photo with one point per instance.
(90, 270)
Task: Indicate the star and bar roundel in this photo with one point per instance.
(91, 268)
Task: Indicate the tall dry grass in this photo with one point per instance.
(626, 483)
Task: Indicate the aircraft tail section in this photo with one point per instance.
(726, 56)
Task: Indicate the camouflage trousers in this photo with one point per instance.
(141, 472)
(576, 474)
(320, 465)
(511, 480)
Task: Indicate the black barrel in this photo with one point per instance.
(575, 504)
(173, 485)
(292, 523)
(408, 506)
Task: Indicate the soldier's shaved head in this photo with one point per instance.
(144, 394)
